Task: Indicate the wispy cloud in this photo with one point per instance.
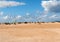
(54, 16)
(18, 17)
(51, 0)
(27, 13)
(11, 3)
(5, 17)
(1, 13)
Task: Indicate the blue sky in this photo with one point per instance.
(31, 6)
(29, 10)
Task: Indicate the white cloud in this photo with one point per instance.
(44, 16)
(27, 14)
(10, 3)
(38, 12)
(53, 16)
(51, 9)
(51, 0)
(18, 17)
(51, 6)
(5, 17)
(1, 13)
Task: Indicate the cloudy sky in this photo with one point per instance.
(29, 10)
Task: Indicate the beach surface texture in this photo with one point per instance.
(44, 32)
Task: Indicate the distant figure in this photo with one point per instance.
(19, 22)
(25, 22)
(39, 22)
(7, 23)
(14, 23)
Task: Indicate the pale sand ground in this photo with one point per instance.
(30, 33)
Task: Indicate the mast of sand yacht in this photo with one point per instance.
(14, 20)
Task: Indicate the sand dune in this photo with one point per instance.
(45, 32)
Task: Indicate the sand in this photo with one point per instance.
(44, 32)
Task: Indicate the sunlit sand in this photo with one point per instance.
(31, 32)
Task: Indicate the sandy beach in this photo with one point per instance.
(44, 32)
(32, 25)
